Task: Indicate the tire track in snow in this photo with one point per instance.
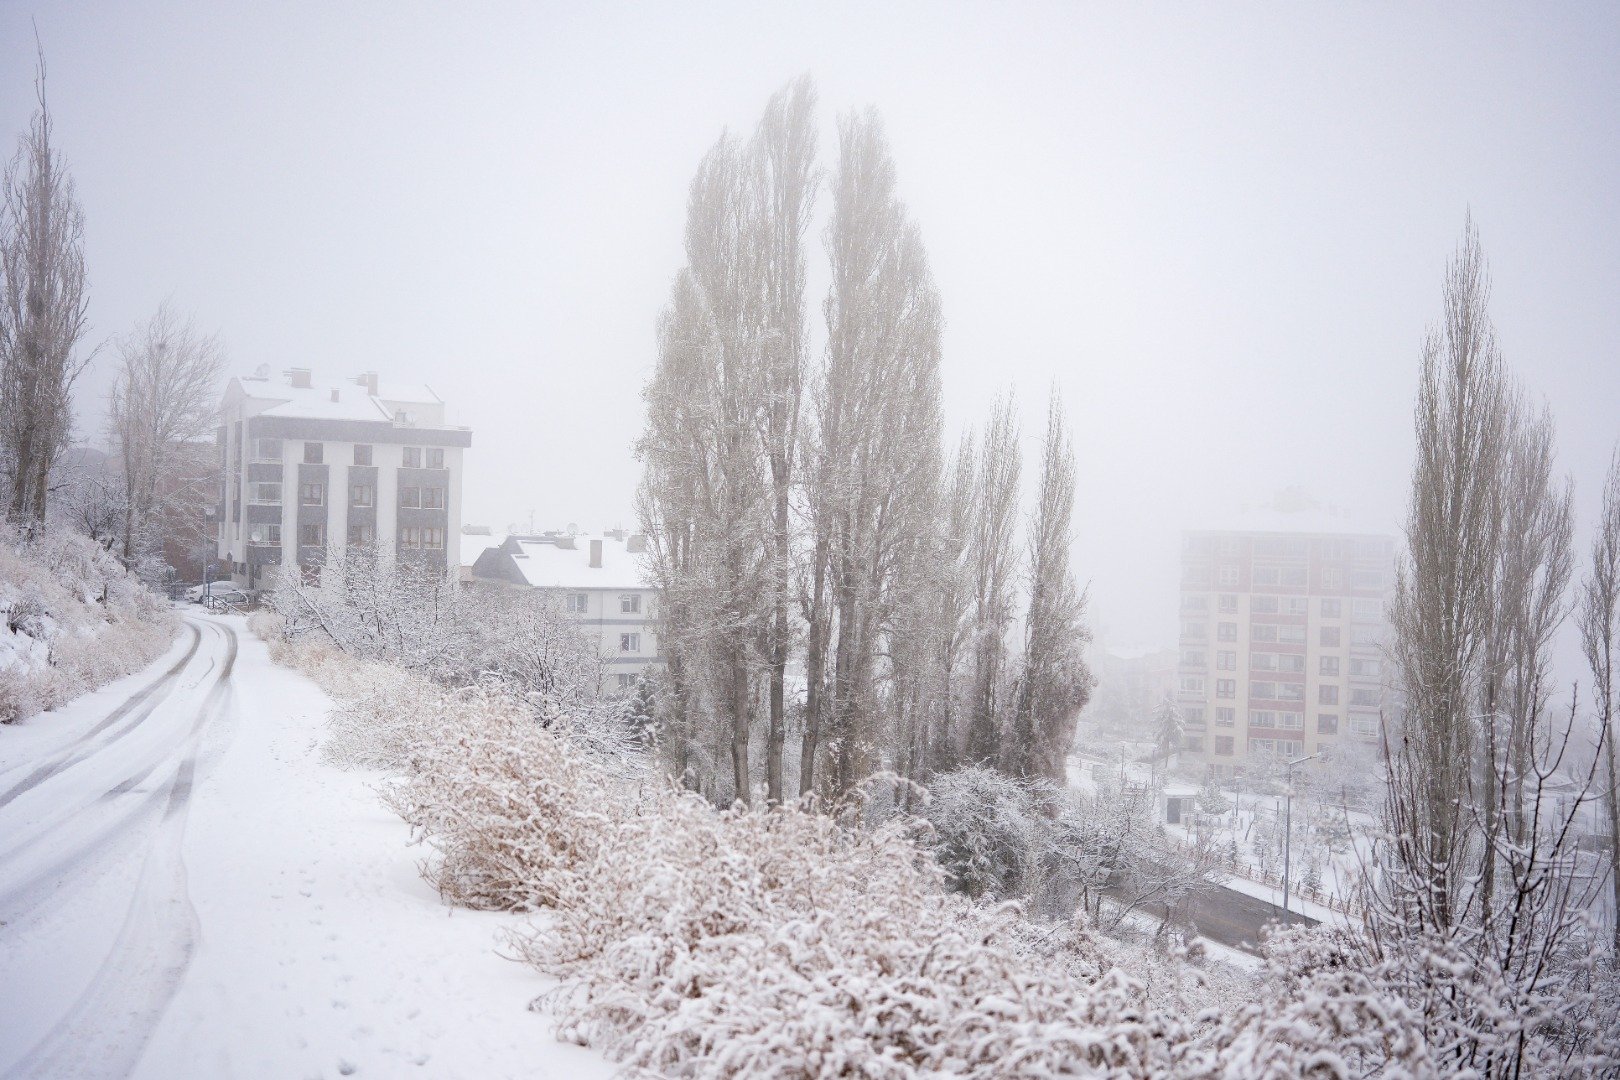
(143, 699)
(106, 1030)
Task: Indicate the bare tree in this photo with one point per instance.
(1054, 683)
(1444, 590)
(993, 558)
(785, 177)
(1599, 618)
(874, 472)
(43, 307)
(162, 401)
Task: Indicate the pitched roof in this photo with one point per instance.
(546, 563)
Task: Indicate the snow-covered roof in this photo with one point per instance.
(546, 564)
(474, 545)
(346, 399)
(1294, 511)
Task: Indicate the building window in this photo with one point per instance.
(435, 457)
(1223, 745)
(629, 642)
(312, 494)
(362, 534)
(1228, 576)
(1268, 575)
(1229, 548)
(1367, 579)
(1291, 691)
(630, 603)
(1327, 695)
(312, 534)
(433, 498)
(1367, 609)
(362, 495)
(1263, 605)
(1332, 609)
(410, 497)
(1226, 660)
(267, 450)
(1363, 696)
(1226, 631)
(412, 457)
(1263, 718)
(1364, 635)
(264, 492)
(1195, 602)
(1281, 747)
(1364, 724)
(1226, 688)
(1196, 631)
(1192, 658)
(1228, 604)
(411, 537)
(1225, 716)
(1262, 661)
(1293, 662)
(1296, 605)
(362, 454)
(1327, 665)
(1294, 577)
(433, 538)
(1291, 635)
(1262, 632)
(1195, 575)
(1192, 684)
(1193, 743)
(314, 453)
(1331, 550)
(1332, 579)
(264, 532)
(1329, 637)
(1262, 690)
(1193, 715)
(1291, 721)
(1363, 669)
(627, 682)
(1327, 723)
(578, 603)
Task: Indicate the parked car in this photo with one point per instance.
(219, 594)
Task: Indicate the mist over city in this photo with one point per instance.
(846, 540)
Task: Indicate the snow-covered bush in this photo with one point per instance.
(988, 831)
(71, 620)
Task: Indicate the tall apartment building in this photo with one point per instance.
(309, 467)
(1281, 643)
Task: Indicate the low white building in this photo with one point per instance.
(599, 580)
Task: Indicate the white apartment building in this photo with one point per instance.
(309, 466)
(1281, 645)
(601, 581)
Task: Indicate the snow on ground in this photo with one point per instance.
(314, 948)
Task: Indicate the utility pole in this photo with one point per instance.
(1288, 825)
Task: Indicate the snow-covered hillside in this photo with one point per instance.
(71, 620)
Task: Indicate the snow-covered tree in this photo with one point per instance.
(1054, 682)
(43, 314)
(992, 559)
(1599, 620)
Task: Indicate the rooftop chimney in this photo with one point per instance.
(596, 552)
(369, 381)
(300, 378)
(334, 393)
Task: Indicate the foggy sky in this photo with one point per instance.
(1220, 229)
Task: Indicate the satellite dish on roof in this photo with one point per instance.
(262, 371)
(573, 530)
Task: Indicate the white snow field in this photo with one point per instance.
(186, 891)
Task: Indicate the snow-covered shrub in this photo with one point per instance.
(71, 620)
(988, 831)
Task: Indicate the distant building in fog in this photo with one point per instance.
(601, 581)
(1281, 638)
(307, 467)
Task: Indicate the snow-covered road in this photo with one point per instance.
(185, 890)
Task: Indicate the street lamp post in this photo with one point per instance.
(1288, 825)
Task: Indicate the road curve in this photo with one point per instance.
(118, 794)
